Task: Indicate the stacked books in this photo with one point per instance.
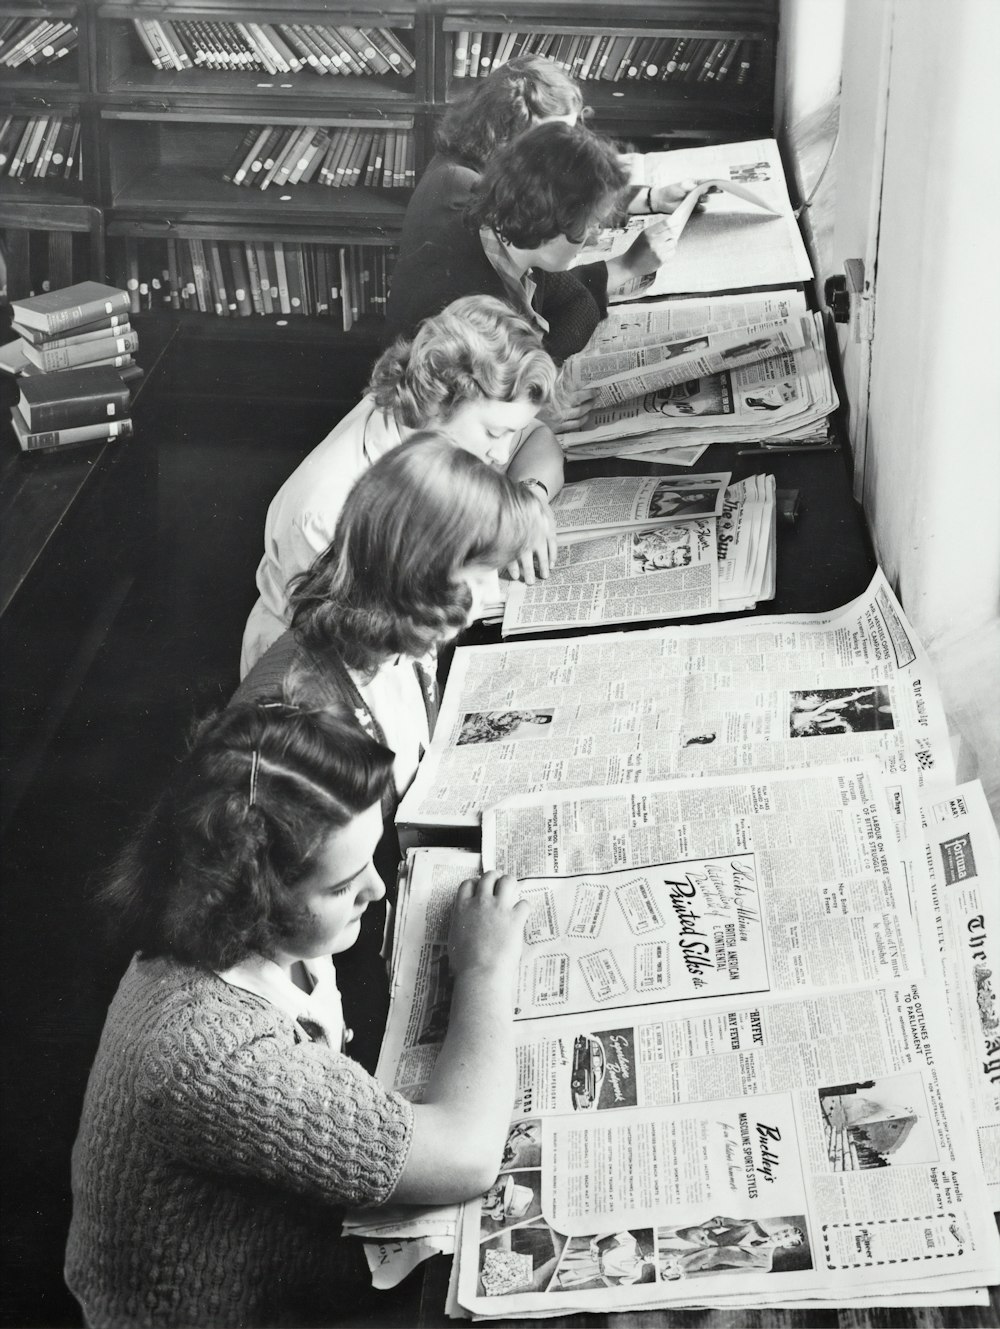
(274, 48)
(297, 154)
(40, 147)
(35, 41)
(77, 346)
(609, 57)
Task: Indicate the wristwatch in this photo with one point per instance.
(530, 481)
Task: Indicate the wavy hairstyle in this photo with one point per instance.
(476, 348)
(553, 179)
(210, 877)
(508, 101)
(388, 582)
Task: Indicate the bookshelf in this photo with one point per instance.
(156, 140)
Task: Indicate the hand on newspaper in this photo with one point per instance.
(577, 404)
(652, 247)
(665, 198)
(487, 924)
(539, 554)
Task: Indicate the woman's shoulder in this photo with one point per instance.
(174, 1009)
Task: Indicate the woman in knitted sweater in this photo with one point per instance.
(224, 1129)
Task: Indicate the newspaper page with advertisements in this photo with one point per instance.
(665, 571)
(589, 508)
(780, 396)
(671, 1135)
(618, 708)
(729, 244)
(639, 348)
(960, 927)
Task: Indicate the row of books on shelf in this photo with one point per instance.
(241, 279)
(76, 346)
(40, 147)
(274, 48)
(298, 154)
(35, 41)
(609, 57)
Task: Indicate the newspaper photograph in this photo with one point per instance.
(645, 347)
(588, 508)
(620, 708)
(661, 572)
(727, 245)
(959, 920)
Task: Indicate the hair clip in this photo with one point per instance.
(254, 770)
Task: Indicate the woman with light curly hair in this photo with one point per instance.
(476, 372)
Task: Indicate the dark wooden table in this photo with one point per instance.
(74, 528)
(824, 560)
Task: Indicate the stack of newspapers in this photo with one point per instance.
(756, 1034)
(750, 364)
(637, 548)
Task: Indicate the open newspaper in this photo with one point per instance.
(618, 708)
(733, 243)
(787, 395)
(589, 508)
(639, 348)
(734, 1082)
(675, 569)
(959, 921)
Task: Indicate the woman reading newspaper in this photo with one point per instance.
(225, 1127)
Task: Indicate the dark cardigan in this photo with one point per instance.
(441, 258)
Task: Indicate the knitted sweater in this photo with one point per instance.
(441, 258)
(216, 1150)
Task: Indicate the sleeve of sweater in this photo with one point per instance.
(571, 309)
(230, 1095)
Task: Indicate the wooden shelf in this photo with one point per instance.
(156, 142)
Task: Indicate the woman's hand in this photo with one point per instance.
(487, 925)
(541, 549)
(653, 246)
(577, 406)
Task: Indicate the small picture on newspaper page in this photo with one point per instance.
(746, 173)
(664, 547)
(515, 1197)
(609, 1259)
(726, 1245)
(493, 726)
(524, 1145)
(839, 711)
(877, 1123)
(437, 1000)
(671, 500)
(522, 1259)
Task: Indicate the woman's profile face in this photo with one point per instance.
(488, 428)
(336, 893)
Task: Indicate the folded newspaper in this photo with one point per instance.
(640, 348)
(739, 240)
(677, 568)
(785, 396)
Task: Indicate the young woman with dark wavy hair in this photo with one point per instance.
(526, 221)
(225, 1128)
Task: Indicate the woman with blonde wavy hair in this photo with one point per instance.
(475, 372)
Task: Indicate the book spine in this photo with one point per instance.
(62, 320)
(460, 53)
(281, 271)
(78, 411)
(61, 438)
(70, 357)
(253, 276)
